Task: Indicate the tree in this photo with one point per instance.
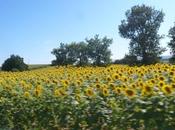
(82, 54)
(69, 54)
(94, 50)
(130, 60)
(98, 50)
(141, 27)
(14, 63)
(61, 54)
(171, 44)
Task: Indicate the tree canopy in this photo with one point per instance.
(171, 44)
(14, 63)
(98, 50)
(141, 27)
(93, 51)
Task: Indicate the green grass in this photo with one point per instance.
(38, 66)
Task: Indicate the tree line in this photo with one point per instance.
(140, 26)
(93, 51)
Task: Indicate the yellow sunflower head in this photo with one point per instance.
(26, 94)
(105, 92)
(98, 86)
(89, 92)
(118, 90)
(161, 84)
(37, 92)
(167, 89)
(109, 79)
(161, 78)
(129, 92)
(115, 76)
(147, 90)
(173, 85)
(171, 73)
(153, 81)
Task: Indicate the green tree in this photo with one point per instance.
(171, 44)
(14, 63)
(64, 55)
(128, 60)
(141, 27)
(98, 50)
(71, 54)
(95, 51)
(60, 54)
(82, 54)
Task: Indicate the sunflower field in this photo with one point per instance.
(116, 97)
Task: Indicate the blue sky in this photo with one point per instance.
(32, 28)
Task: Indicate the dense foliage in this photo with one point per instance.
(117, 97)
(14, 63)
(94, 51)
(141, 27)
(130, 60)
(171, 44)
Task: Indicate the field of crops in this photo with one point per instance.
(117, 97)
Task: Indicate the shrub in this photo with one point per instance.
(14, 63)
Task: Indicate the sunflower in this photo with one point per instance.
(55, 81)
(133, 86)
(141, 74)
(156, 76)
(78, 83)
(87, 77)
(147, 90)
(108, 79)
(124, 79)
(105, 92)
(167, 89)
(118, 90)
(161, 78)
(120, 74)
(173, 85)
(26, 94)
(161, 84)
(66, 82)
(153, 81)
(129, 92)
(173, 79)
(96, 80)
(141, 84)
(115, 76)
(98, 86)
(171, 73)
(37, 92)
(89, 92)
(130, 72)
